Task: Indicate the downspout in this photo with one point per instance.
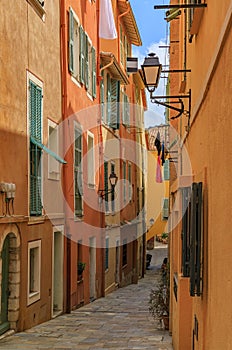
(64, 111)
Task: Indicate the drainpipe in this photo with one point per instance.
(64, 112)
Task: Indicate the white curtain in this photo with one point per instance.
(107, 29)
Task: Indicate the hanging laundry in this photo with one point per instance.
(158, 143)
(158, 171)
(107, 29)
(162, 154)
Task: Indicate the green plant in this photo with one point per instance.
(159, 297)
(80, 267)
(164, 235)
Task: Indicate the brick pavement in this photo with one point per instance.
(121, 320)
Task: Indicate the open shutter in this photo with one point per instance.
(86, 68)
(196, 239)
(71, 29)
(199, 239)
(102, 99)
(185, 230)
(82, 55)
(166, 170)
(108, 98)
(114, 117)
(94, 80)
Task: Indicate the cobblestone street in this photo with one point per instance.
(121, 320)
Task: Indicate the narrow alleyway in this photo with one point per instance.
(121, 320)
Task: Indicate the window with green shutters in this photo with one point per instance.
(78, 174)
(166, 170)
(35, 130)
(165, 209)
(82, 55)
(112, 165)
(102, 99)
(113, 87)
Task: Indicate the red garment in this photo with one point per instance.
(158, 171)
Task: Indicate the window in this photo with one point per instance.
(126, 110)
(124, 180)
(124, 252)
(35, 133)
(78, 173)
(112, 193)
(106, 186)
(90, 161)
(53, 165)
(113, 87)
(82, 55)
(165, 209)
(130, 182)
(34, 271)
(107, 254)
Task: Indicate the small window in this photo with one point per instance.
(34, 271)
(90, 161)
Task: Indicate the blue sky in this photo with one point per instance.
(153, 30)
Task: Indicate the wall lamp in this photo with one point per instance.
(151, 70)
(113, 181)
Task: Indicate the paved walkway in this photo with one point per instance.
(121, 321)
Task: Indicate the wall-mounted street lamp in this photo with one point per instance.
(113, 181)
(151, 70)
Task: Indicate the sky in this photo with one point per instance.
(153, 31)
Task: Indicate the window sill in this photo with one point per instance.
(36, 220)
(33, 297)
(38, 8)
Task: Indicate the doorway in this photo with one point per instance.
(57, 295)
(4, 324)
(92, 268)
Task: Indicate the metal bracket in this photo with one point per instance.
(179, 6)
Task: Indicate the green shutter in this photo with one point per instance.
(166, 170)
(94, 75)
(86, 68)
(114, 117)
(108, 98)
(102, 98)
(35, 128)
(71, 29)
(82, 55)
(165, 209)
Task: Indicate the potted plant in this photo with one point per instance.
(159, 300)
(80, 267)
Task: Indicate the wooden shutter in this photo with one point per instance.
(86, 60)
(35, 121)
(114, 117)
(185, 230)
(71, 44)
(94, 80)
(165, 209)
(166, 170)
(196, 240)
(82, 54)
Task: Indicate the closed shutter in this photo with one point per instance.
(185, 230)
(126, 111)
(94, 80)
(165, 209)
(108, 99)
(114, 117)
(166, 170)
(106, 187)
(71, 30)
(35, 127)
(82, 54)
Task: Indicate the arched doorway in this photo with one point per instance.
(9, 278)
(4, 323)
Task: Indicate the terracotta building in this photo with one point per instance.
(200, 223)
(31, 221)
